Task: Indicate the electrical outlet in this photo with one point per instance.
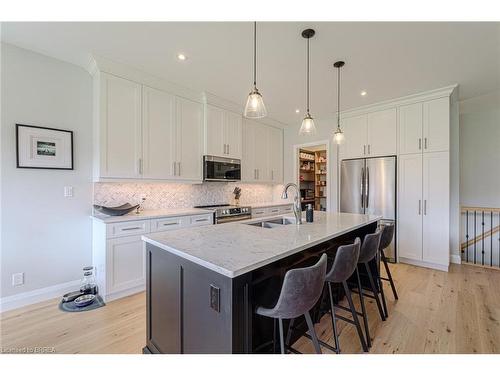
(17, 279)
(68, 191)
(215, 298)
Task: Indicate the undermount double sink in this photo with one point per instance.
(273, 223)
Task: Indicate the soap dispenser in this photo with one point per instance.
(309, 213)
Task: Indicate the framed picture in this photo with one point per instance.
(44, 148)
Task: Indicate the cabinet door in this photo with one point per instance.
(261, 145)
(189, 129)
(382, 130)
(248, 162)
(232, 134)
(158, 134)
(215, 132)
(436, 207)
(125, 263)
(410, 207)
(120, 128)
(410, 128)
(437, 125)
(355, 137)
(276, 154)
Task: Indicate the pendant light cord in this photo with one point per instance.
(255, 54)
(308, 76)
(338, 98)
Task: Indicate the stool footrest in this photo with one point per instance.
(322, 343)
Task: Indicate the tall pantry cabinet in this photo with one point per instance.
(424, 183)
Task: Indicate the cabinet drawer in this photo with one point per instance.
(273, 211)
(127, 228)
(286, 209)
(259, 212)
(201, 220)
(169, 223)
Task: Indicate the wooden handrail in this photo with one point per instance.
(485, 209)
(488, 233)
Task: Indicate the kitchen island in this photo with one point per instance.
(204, 283)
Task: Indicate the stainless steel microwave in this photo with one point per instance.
(221, 169)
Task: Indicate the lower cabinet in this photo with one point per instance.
(271, 211)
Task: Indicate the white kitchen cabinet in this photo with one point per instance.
(382, 133)
(271, 210)
(248, 168)
(223, 133)
(120, 150)
(276, 155)
(410, 207)
(158, 134)
(262, 152)
(125, 257)
(355, 133)
(436, 207)
(410, 128)
(423, 215)
(436, 125)
(189, 140)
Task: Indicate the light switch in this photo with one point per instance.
(17, 279)
(68, 191)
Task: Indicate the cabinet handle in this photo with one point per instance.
(425, 206)
(139, 162)
(225, 149)
(131, 228)
(420, 143)
(425, 143)
(167, 224)
(199, 220)
(228, 148)
(174, 165)
(179, 168)
(364, 149)
(419, 207)
(368, 149)
(258, 174)
(272, 174)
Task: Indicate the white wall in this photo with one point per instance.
(43, 234)
(480, 151)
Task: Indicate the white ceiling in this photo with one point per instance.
(388, 60)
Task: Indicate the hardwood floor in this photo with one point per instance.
(437, 312)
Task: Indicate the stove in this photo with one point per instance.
(225, 213)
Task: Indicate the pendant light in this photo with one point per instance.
(338, 135)
(255, 107)
(307, 126)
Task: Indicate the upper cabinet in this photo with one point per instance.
(119, 131)
(424, 127)
(262, 153)
(223, 133)
(370, 135)
(145, 133)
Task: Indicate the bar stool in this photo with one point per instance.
(385, 241)
(302, 288)
(344, 265)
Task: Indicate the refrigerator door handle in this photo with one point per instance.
(362, 182)
(367, 187)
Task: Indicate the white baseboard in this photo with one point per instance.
(436, 266)
(37, 295)
(455, 258)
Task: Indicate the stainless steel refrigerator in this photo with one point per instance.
(368, 186)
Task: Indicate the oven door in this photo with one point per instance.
(229, 219)
(221, 169)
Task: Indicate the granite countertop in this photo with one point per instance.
(233, 249)
(150, 214)
(270, 204)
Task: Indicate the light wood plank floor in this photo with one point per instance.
(437, 312)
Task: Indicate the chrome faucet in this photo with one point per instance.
(297, 210)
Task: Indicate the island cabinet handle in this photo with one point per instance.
(132, 228)
(198, 220)
(171, 223)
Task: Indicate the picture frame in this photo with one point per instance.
(40, 147)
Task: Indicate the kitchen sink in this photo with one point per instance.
(273, 223)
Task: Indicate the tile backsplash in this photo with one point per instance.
(171, 195)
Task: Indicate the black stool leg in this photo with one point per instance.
(282, 340)
(355, 316)
(334, 319)
(312, 332)
(289, 332)
(389, 276)
(363, 310)
(384, 304)
(374, 290)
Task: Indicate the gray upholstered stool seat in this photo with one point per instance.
(301, 290)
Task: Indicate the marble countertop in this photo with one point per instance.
(150, 214)
(233, 249)
(270, 204)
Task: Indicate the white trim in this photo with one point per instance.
(325, 142)
(397, 102)
(455, 258)
(419, 263)
(38, 295)
(124, 293)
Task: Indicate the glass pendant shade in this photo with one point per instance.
(307, 126)
(338, 136)
(255, 107)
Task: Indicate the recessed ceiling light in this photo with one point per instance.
(181, 57)
(363, 93)
(297, 111)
